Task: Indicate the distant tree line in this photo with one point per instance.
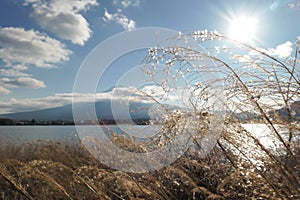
(33, 122)
(4, 121)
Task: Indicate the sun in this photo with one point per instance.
(243, 29)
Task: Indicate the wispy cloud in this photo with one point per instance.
(26, 82)
(12, 73)
(119, 18)
(148, 94)
(20, 67)
(127, 3)
(63, 18)
(125, 94)
(4, 90)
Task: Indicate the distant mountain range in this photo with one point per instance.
(137, 111)
(283, 113)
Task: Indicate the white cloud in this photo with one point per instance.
(125, 22)
(4, 90)
(20, 67)
(26, 82)
(295, 5)
(147, 94)
(20, 105)
(22, 47)
(63, 18)
(127, 3)
(284, 50)
(12, 73)
(120, 94)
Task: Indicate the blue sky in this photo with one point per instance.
(44, 42)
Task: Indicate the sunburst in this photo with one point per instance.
(243, 29)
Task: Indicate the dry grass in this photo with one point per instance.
(54, 170)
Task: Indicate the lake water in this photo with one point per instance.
(33, 133)
(266, 136)
(19, 134)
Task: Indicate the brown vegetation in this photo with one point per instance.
(54, 170)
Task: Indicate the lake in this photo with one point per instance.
(19, 134)
(266, 137)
